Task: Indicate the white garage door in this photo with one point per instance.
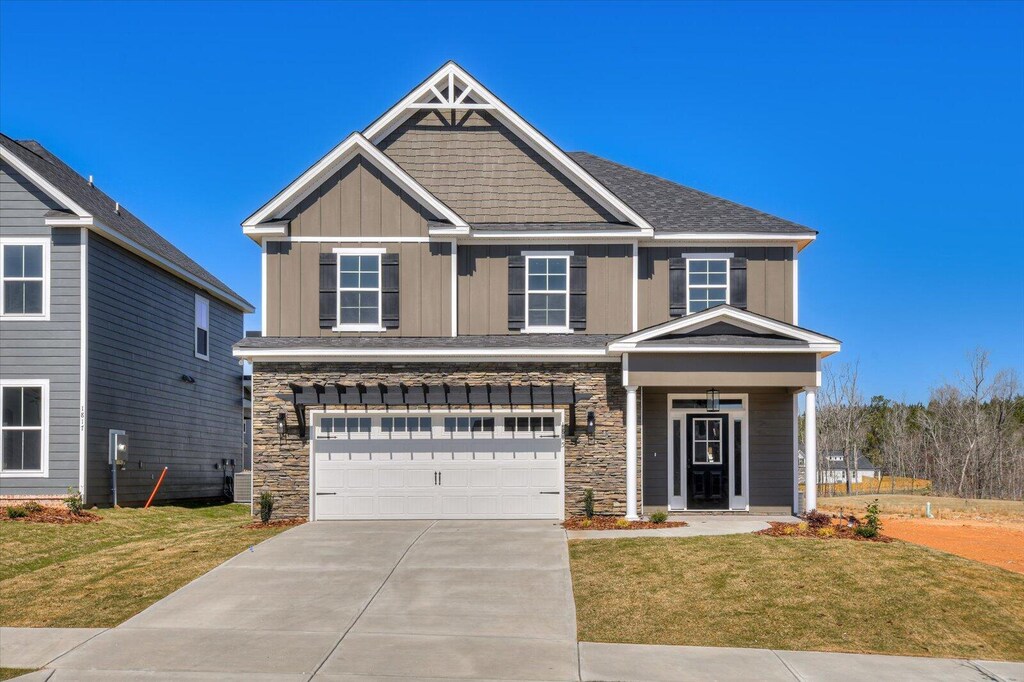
(437, 466)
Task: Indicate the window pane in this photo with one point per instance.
(202, 342)
(698, 266)
(510, 423)
(349, 263)
(33, 261)
(13, 261)
(697, 306)
(364, 425)
(700, 452)
(549, 423)
(349, 280)
(368, 280)
(538, 282)
(13, 445)
(556, 282)
(449, 424)
(385, 424)
(538, 318)
(716, 266)
(556, 265)
(700, 428)
(368, 263)
(538, 265)
(14, 297)
(12, 406)
(32, 406)
(32, 455)
(718, 278)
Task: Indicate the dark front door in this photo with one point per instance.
(707, 461)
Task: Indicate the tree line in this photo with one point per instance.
(967, 439)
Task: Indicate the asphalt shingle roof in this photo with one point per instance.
(101, 207)
(671, 207)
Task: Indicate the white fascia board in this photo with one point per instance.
(422, 354)
(155, 259)
(403, 109)
(276, 228)
(741, 318)
(826, 348)
(800, 240)
(354, 144)
(44, 185)
(556, 235)
(459, 231)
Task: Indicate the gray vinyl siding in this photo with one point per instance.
(141, 342)
(45, 349)
(771, 447)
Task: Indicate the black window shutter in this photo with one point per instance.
(676, 286)
(389, 290)
(738, 282)
(328, 290)
(578, 292)
(516, 292)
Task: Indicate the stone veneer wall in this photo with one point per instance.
(281, 464)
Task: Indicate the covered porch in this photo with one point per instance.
(712, 413)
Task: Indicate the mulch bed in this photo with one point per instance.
(49, 514)
(840, 531)
(611, 523)
(280, 523)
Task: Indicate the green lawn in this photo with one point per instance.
(795, 593)
(100, 574)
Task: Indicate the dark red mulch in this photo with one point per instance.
(611, 523)
(49, 514)
(280, 523)
(779, 529)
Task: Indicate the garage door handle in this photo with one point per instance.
(550, 492)
(327, 493)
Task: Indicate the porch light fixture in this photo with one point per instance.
(591, 425)
(714, 400)
(282, 424)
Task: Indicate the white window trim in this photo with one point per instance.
(196, 328)
(708, 257)
(547, 329)
(359, 327)
(44, 460)
(27, 241)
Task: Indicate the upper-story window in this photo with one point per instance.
(24, 275)
(23, 427)
(547, 293)
(708, 283)
(202, 336)
(359, 291)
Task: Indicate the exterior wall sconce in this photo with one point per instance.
(591, 425)
(714, 402)
(282, 424)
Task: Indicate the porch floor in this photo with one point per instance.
(699, 524)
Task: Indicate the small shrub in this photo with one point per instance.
(621, 523)
(74, 500)
(33, 507)
(586, 523)
(873, 520)
(816, 519)
(866, 531)
(790, 529)
(588, 503)
(803, 526)
(826, 531)
(16, 513)
(266, 506)
(659, 517)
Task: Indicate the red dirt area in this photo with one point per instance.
(992, 542)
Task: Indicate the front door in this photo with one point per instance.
(707, 461)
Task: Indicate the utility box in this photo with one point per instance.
(118, 448)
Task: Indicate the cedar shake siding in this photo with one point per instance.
(45, 349)
(769, 280)
(293, 288)
(141, 342)
(485, 172)
(483, 287)
(281, 463)
(771, 447)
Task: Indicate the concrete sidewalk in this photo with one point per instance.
(35, 647)
(698, 525)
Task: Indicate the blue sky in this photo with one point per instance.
(894, 129)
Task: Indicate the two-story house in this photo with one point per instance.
(461, 320)
(109, 336)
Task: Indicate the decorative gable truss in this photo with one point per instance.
(268, 221)
(453, 88)
(725, 329)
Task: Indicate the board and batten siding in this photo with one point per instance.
(483, 286)
(46, 349)
(769, 280)
(140, 344)
(770, 413)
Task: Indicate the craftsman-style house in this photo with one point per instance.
(462, 320)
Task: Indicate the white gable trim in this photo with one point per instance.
(353, 145)
(43, 184)
(485, 99)
(735, 316)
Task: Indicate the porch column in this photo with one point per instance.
(631, 453)
(810, 449)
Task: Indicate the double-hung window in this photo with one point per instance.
(708, 283)
(23, 425)
(547, 293)
(202, 337)
(359, 290)
(24, 271)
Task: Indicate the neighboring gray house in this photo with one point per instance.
(106, 326)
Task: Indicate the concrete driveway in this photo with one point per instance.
(347, 600)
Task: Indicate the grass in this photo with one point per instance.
(100, 574)
(942, 507)
(868, 486)
(795, 593)
(11, 673)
